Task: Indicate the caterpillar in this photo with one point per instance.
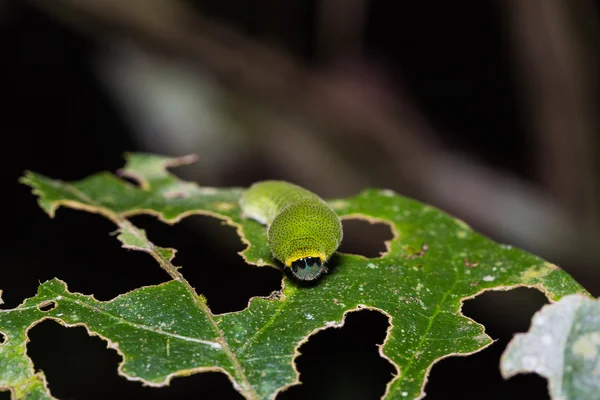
(303, 231)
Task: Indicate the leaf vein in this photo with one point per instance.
(122, 320)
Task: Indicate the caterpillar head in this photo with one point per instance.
(308, 268)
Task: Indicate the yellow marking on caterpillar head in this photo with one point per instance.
(304, 253)
(307, 264)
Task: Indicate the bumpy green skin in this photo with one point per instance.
(300, 223)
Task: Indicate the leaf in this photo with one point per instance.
(562, 345)
(433, 263)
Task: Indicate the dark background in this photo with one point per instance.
(59, 119)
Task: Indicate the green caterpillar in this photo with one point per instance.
(302, 229)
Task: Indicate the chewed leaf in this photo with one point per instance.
(135, 239)
(433, 263)
(562, 345)
(154, 329)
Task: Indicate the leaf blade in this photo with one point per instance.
(434, 263)
(562, 345)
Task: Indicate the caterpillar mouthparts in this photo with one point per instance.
(308, 269)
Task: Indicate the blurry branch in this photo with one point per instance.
(338, 104)
(173, 109)
(559, 84)
(348, 117)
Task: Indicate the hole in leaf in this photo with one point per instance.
(47, 306)
(78, 248)
(344, 363)
(2, 338)
(79, 366)
(365, 238)
(503, 314)
(207, 251)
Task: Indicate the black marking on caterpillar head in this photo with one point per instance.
(308, 268)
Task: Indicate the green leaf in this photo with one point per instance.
(433, 263)
(562, 345)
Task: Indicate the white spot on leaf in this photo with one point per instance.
(562, 345)
(547, 340)
(587, 346)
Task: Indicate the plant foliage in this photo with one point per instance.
(433, 263)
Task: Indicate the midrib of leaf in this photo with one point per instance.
(403, 371)
(275, 315)
(124, 223)
(133, 324)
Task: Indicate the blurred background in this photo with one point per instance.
(485, 109)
